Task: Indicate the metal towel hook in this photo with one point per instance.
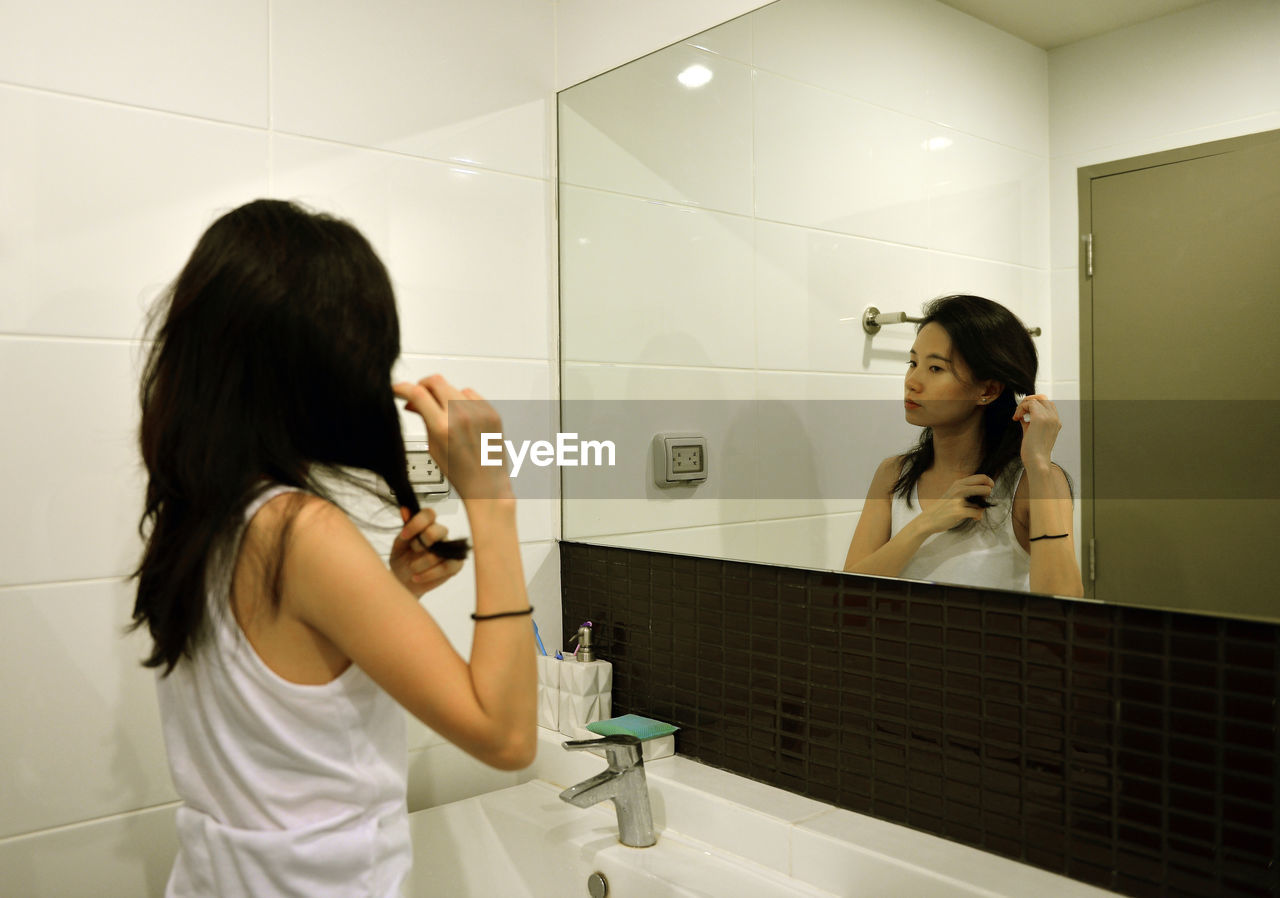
(873, 319)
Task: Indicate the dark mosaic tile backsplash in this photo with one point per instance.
(1135, 750)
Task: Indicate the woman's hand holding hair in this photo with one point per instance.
(411, 559)
(455, 420)
(1040, 427)
(952, 508)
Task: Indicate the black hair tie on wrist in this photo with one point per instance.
(528, 610)
(1049, 536)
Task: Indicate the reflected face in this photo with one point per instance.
(938, 386)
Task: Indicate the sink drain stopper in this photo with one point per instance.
(597, 885)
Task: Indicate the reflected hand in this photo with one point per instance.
(953, 507)
(1040, 427)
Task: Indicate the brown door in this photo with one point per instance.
(1180, 357)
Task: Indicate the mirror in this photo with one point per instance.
(731, 205)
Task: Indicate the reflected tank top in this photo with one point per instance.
(988, 554)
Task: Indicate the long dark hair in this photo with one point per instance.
(271, 364)
(994, 345)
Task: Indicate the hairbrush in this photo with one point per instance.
(447, 549)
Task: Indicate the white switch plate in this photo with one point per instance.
(679, 458)
(425, 475)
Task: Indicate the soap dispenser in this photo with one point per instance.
(584, 653)
(586, 685)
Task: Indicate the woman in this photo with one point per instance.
(285, 647)
(978, 501)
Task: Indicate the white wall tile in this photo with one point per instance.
(735, 541)
(1209, 64)
(638, 130)
(629, 406)
(1064, 211)
(987, 200)
(103, 205)
(822, 438)
(986, 82)
(819, 543)
(70, 446)
(130, 854)
(1063, 332)
(812, 288)
(1023, 291)
(875, 50)
(732, 39)
(203, 60)
(469, 251)
(619, 305)
(593, 36)
(443, 773)
(466, 83)
(830, 162)
(82, 733)
(915, 56)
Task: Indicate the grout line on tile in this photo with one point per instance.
(791, 224)
(460, 357)
(72, 338)
(43, 584)
(895, 111)
(134, 107)
(91, 821)
(595, 363)
(415, 157)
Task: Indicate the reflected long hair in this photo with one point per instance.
(994, 345)
(271, 364)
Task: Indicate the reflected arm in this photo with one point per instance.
(873, 550)
(1053, 561)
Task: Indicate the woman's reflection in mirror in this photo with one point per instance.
(978, 500)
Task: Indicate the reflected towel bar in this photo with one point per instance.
(873, 319)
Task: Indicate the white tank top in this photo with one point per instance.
(988, 554)
(287, 789)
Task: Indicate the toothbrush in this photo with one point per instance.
(541, 648)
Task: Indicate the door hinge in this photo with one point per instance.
(1093, 561)
(1088, 255)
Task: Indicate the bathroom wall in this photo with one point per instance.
(842, 155)
(128, 127)
(1128, 748)
(1207, 73)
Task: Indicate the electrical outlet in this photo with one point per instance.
(686, 459)
(425, 475)
(679, 458)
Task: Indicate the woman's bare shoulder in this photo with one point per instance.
(886, 476)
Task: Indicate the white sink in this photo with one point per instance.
(719, 834)
(524, 842)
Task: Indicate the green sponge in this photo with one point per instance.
(634, 725)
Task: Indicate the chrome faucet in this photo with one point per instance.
(623, 782)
